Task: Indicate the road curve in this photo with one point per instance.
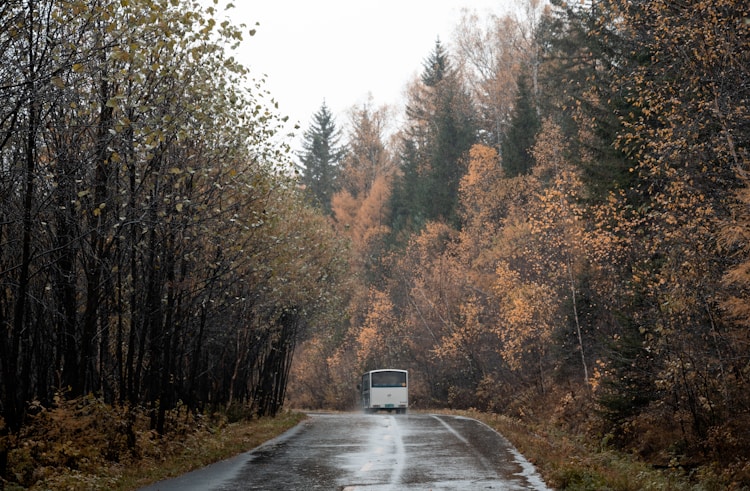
(380, 452)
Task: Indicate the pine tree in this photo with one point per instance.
(321, 158)
(405, 197)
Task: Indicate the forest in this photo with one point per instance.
(557, 229)
(153, 250)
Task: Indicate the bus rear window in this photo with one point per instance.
(389, 379)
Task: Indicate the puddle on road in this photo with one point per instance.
(438, 461)
(457, 485)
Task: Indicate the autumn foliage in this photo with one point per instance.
(556, 230)
(603, 284)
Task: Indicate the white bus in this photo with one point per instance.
(386, 390)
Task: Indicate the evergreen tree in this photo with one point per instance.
(583, 50)
(436, 66)
(516, 145)
(406, 215)
(321, 158)
(440, 130)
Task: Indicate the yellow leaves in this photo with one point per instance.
(526, 313)
(483, 164)
(379, 332)
(58, 82)
(466, 335)
(119, 54)
(485, 195)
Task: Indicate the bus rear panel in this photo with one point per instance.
(385, 390)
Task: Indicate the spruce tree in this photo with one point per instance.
(440, 131)
(321, 158)
(436, 66)
(583, 52)
(517, 142)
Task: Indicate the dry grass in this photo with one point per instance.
(86, 444)
(206, 447)
(569, 461)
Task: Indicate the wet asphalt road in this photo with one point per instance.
(351, 452)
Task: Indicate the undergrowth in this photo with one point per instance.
(85, 444)
(572, 460)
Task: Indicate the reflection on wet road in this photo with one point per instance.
(373, 452)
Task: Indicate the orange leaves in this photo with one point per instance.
(363, 219)
(370, 345)
(379, 340)
(734, 240)
(526, 314)
(555, 216)
(345, 208)
(707, 45)
(483, 165)
(478, 188)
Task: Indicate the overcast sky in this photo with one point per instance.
(339, 51)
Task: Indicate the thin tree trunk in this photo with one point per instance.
(578, 322)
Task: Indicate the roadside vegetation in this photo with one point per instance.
(85, 444)
(569, 458)
(570, 461)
